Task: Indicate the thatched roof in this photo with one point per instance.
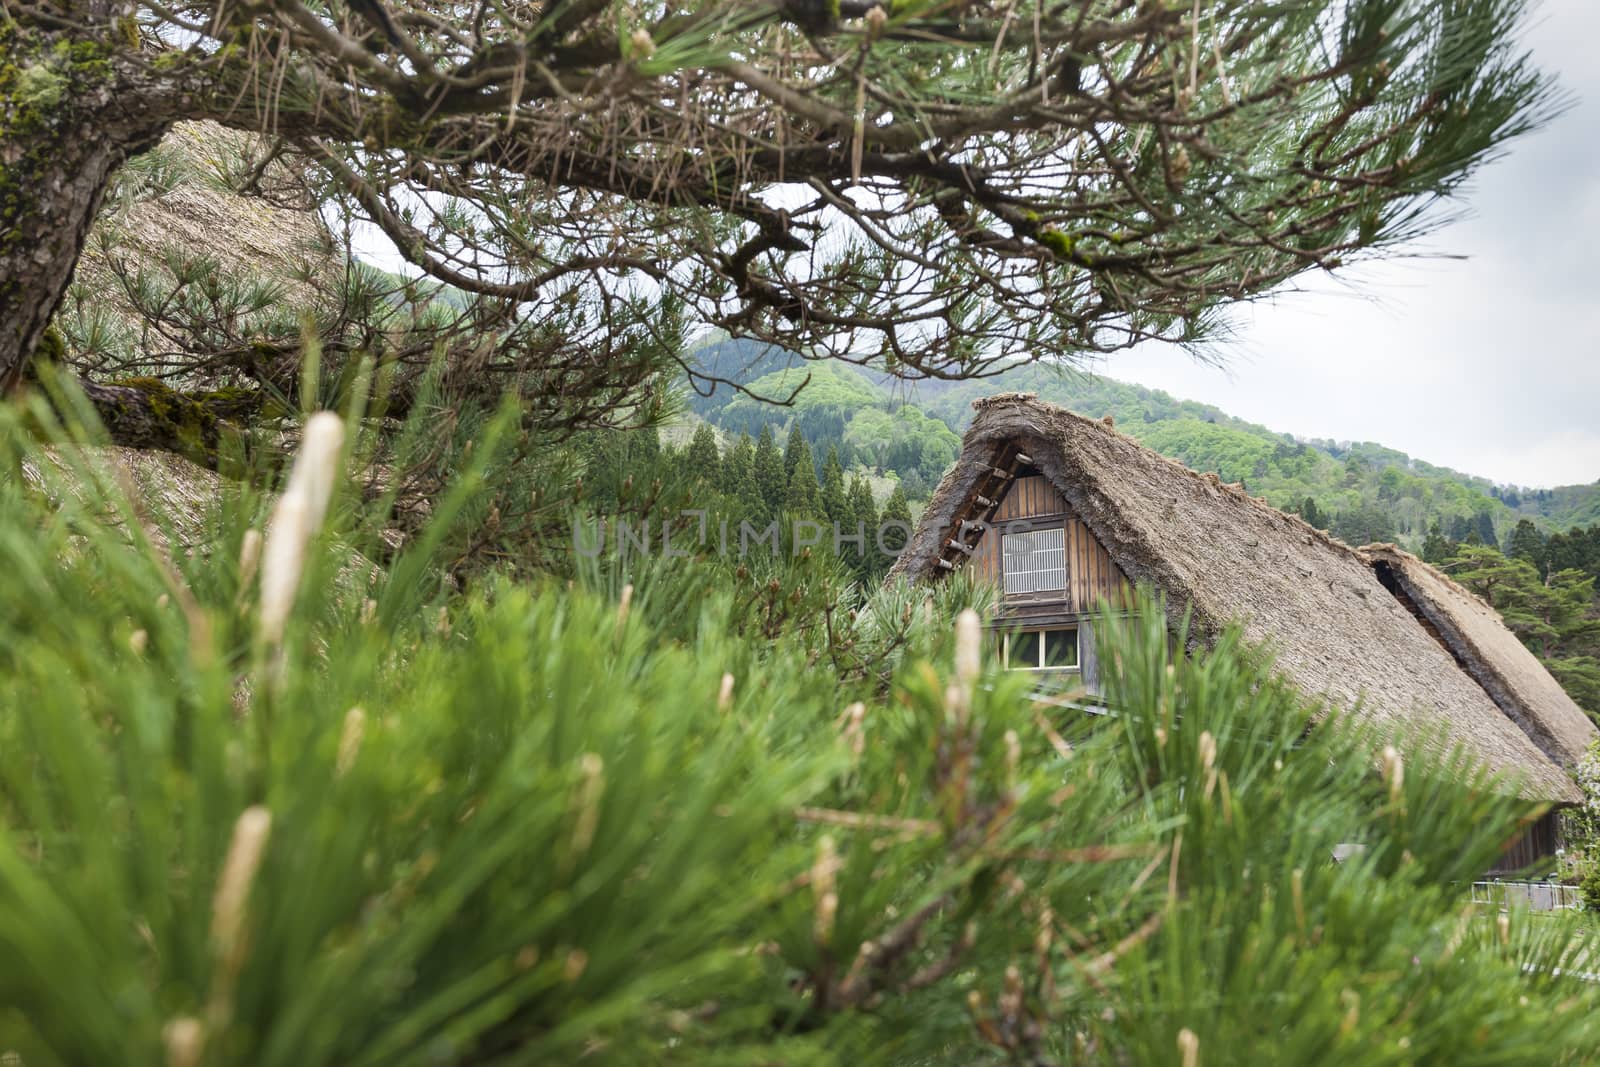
(176, 203)
(1511, 675)
(166, 491)
(174, 501)
(1211, 548)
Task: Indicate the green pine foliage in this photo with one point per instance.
(635, 816)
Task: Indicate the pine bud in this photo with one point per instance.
(1352, 1011)
(823, 890)
(316, 465)
(1189, 1047)
(249, 557)
(1208, 761)
(1010, 1003)
(877, 18)
(1178, 165)
(184, 1039)
(297, 518)
(855, 731)
(589, 793)
(282, 561)
(233, 887)
(969, 639)
(1394, 773)
(355, 727)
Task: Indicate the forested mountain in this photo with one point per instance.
(1362, 491)
(1529, 553)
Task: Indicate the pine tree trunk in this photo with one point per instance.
(69, 117)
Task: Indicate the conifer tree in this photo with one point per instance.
(739, 479)
(703, 459)
(897, 509)
(1484, 528)
(1436, 547)
(802, 496)
(792, 449)
(767, 468)
(1526, 542)
(620, 464)
(835, 503)
(1577, 549)
(861, 513)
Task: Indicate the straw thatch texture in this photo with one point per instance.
(1337, 632)
(184, 208)
(175, 502)
(1493, 655)
(168, 494)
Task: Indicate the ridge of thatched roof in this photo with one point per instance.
(1338, 634)
(1488, 651)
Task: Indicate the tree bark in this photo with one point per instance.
(70, 115)
(145, 413)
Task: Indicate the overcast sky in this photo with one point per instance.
(1487, 365)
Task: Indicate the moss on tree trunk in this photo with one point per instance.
(147, 413)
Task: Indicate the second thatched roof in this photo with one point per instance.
(1489, 652)
(1339, 634)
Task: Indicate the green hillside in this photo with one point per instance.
(1362, 491)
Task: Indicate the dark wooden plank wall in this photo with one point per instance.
(1536, 845)
(1029, 497)
(1091, 572)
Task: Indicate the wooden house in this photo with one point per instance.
(1064, 513)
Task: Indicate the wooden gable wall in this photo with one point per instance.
(1091, 572)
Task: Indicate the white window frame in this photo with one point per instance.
(1039, 667)
(1032, 560)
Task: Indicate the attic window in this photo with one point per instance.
(1041, 650)
(1034, 561)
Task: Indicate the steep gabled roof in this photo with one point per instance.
(1483, 646)
(1338, 633)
